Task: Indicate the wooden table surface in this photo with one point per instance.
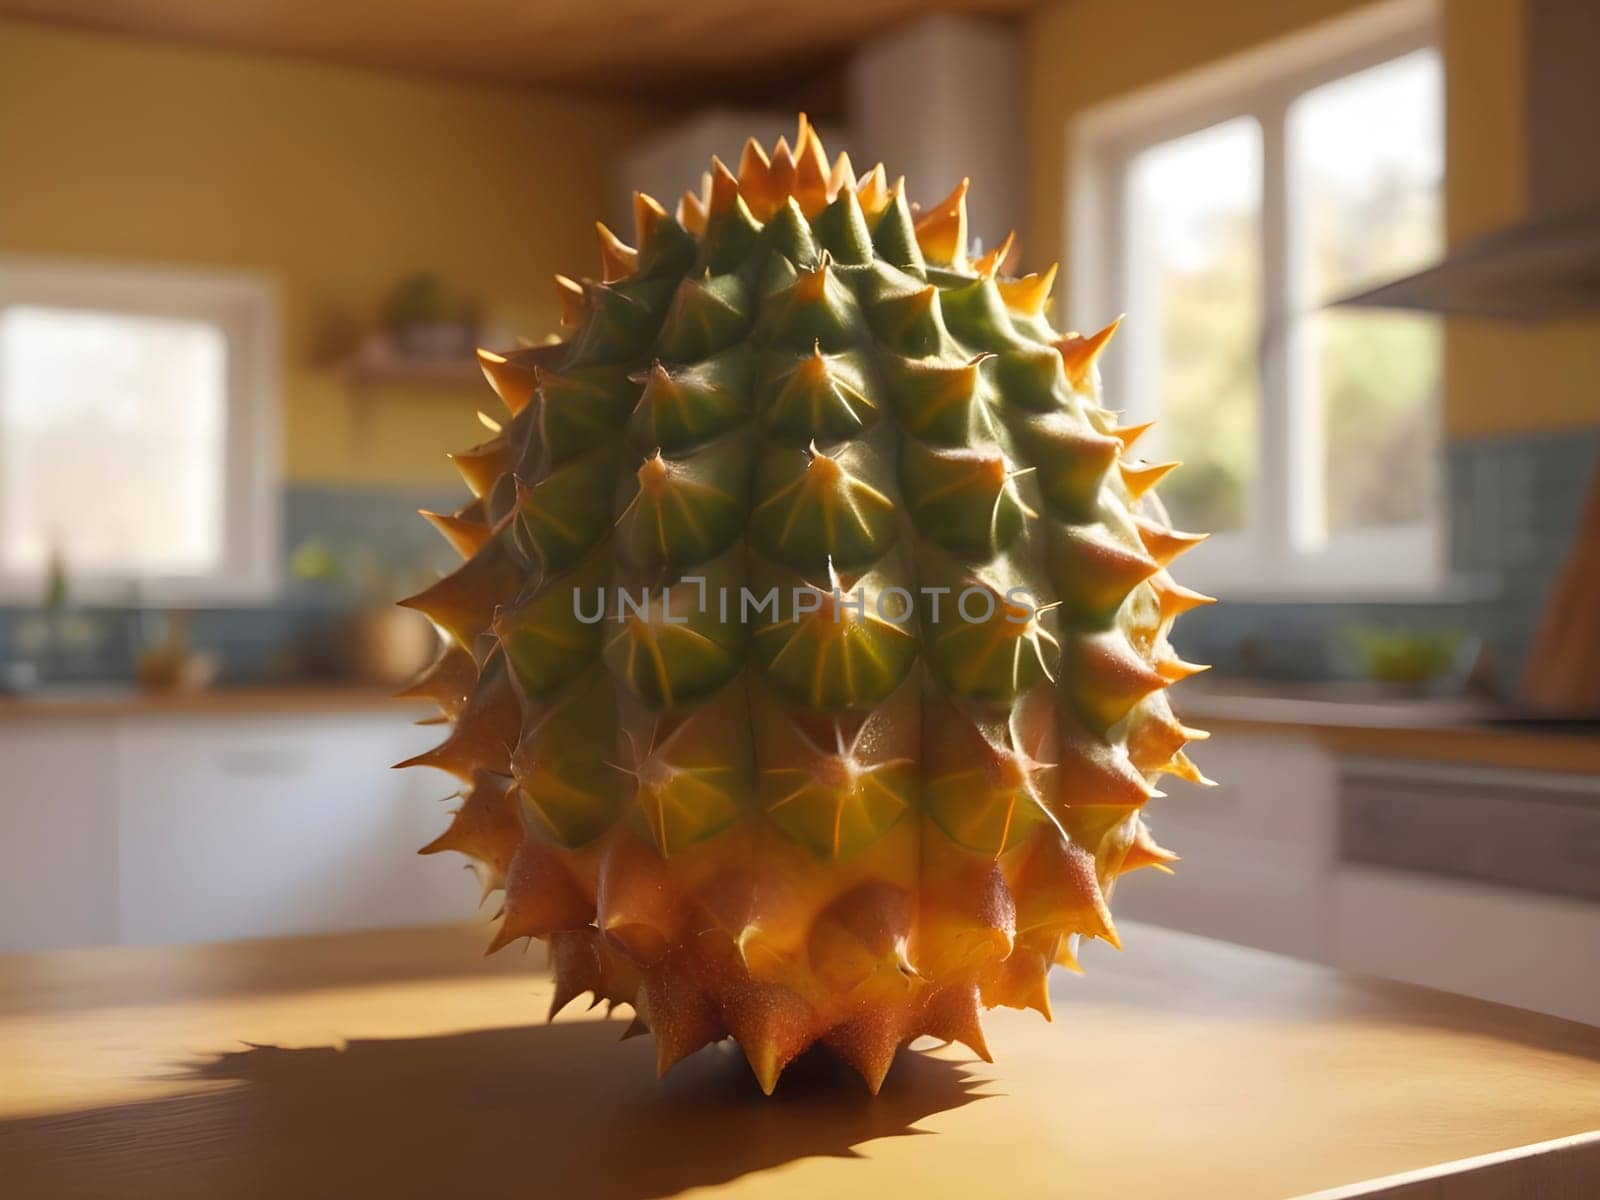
(403, 1064)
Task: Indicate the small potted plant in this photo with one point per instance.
(375, 641)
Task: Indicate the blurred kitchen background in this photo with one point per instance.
(245, 252)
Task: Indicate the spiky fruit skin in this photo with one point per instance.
(807, 817)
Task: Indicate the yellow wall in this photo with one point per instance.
(1497, 378)
(335, 181)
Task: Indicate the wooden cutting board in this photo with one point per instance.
(404, 1065)
(1562, 676)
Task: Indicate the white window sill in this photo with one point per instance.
(1453, 589)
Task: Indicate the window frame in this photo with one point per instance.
(1265, 559)
(244, 307)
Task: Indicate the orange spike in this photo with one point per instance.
(724, 187)
(680, 1014)
(1175, 599)
(1078, 354)
(1175, 670)
(868, 1044)
(647, 215)
(765, 183)
(1140, 478)
(512, 381)
(1164, 544)
(570, 292)
(486, 828)
(1129, 434)
(1029, 295)
(575, 967)
(811, 170)
(692, 213)
(618, 260)
(639, 909)
(1021, 982)
(467, 537)
(942, 230)
(873, 193)
(1183, 767)
(986, 266)
(772, 1025)
(1144, 852)
(448, 682)
(956, 1015)
(842, 175)
(483, 464)
(753, 161)
(541, 896)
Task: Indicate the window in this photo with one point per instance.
(1223, 213)
(138, 433)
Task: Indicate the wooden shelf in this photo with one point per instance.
(380, 363)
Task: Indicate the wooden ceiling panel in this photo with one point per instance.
(625, 46)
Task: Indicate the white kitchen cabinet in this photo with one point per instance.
(1515, 947)
(58, 835)
(1256, 850)
(236, 828)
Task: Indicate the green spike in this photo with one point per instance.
(1094, 571)
(546, 643)
(817, 397)
(686, 509)
(979, 641)
(568, 789)
(706, 315)
(832, 792)
(668, 253)
(1072, 461)
(940, 401)
(828, 654)
(909, 322)
(807, 509)
(895, 237)
(682, 407)
(1031, 378)
(841, 228)
(579, 409)
(729, 241)
(963, 500)
(562, 515)
(985, 786)
(690, 776)
(673, 646)
(789, 233)
(817, 309)
(975, 313)
(620, 320)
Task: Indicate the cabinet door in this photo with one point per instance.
(237, 828)
(1256, 851)
(58, 830)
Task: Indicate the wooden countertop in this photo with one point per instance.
(403, 1064)
(1459, 731)
(264, 700)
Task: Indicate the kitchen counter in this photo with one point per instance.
(1464, 731)
(112, 701)
(404, 1064)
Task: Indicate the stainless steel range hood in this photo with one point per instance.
(1549, 265)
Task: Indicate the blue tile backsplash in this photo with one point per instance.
(1514, 505)
(259, 643)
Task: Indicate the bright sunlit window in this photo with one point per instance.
(137, 446)
(1223, 214)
